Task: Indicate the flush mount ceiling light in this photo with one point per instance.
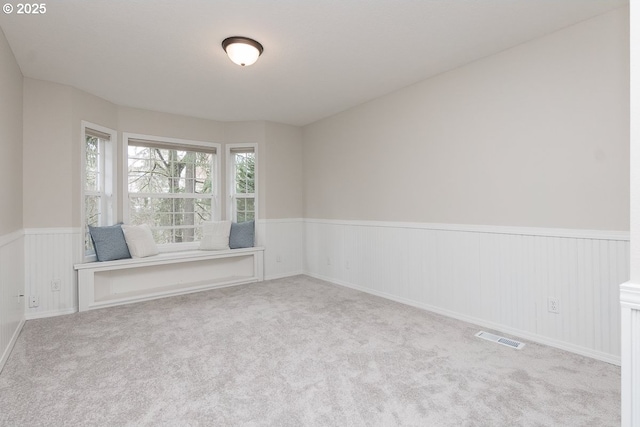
(242, 50)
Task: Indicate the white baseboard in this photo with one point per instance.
(7, 351)
(282, 276)
(491, 325)
(50, 313)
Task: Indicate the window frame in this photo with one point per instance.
(231, 181)
(179, 142)
(109, 193)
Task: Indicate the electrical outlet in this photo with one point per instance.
(553, 305)
(55, 285)
(278, 258)
(346, 264)
(34, 301)
(328, 261)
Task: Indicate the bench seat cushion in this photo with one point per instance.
(140, 240)
(215, 235)
(109, 242)
(242, 235)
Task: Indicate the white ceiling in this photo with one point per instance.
(320, 57)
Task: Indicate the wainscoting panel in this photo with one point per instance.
(284, 246)
(11, 289)
(630, 376)
(50, 255)
(496, 277)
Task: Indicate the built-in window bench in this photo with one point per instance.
(109, 283)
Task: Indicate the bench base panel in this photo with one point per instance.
(109, 284)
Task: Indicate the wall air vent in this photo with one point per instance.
(500, 340)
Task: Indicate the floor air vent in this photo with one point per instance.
(500, 340)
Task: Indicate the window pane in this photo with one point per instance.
(92, 152)
(162, 236)
(161, 219)
(88, 244)
(91, 181)
(245, 209)
(202, 210)
(145, 172)
(245, 172)
(142, 209)
(197, 234)
(92, 210)
(249, 215)
(240, 204)
(92, 216)
(203, 173)
(241, 185)
(158, 171)
(139, 164)
(183, 235)
(169, 212)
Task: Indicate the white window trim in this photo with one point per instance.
(110, 178)
(169, 247)
(230, 174)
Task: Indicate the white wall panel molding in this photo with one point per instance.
(11, 291)
(491, 229)
(630, 331)
(491, 278)
(50, 254)
(283, 240)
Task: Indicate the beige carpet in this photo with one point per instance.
(291, 352)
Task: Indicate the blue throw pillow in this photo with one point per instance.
(109, 242)
(242, 235)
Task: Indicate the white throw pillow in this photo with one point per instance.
(215, 235)
(139, 240)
